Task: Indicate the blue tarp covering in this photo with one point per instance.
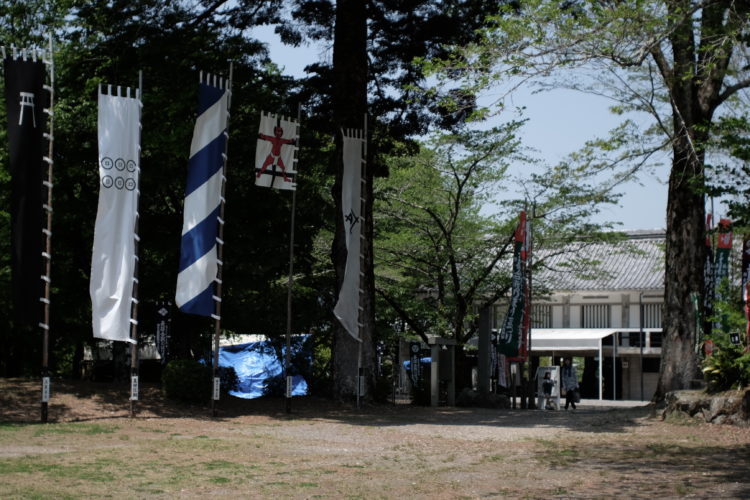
(422, 361)
(256, 362)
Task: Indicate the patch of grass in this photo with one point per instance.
(308, 485)
(90, 472)
(682, 418)
(278, 483)
(75, 428)
(155, 431)
(221, 464)
(556, 453)
(220, 480)
(11, 426)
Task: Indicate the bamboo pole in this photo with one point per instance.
(134, 385)
(290, 282)
(47, 253)
(362, 242)
(220, 256)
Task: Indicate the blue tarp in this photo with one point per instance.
(256, 362)
(422, 361)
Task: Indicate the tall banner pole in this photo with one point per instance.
(290, 282)
(362, 237)
(349, 308)
(220, 258)
(134, 385)
(529, 292)
(47, 253)
(276, 158)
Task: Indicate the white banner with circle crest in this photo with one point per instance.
(113, 255)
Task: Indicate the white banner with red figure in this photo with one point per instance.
(275, 154)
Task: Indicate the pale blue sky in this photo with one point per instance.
(560, 122)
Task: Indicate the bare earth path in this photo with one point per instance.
(253, 449)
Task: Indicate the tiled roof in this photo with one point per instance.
(635, 263)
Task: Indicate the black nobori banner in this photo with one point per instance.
(25, 101)
(163, 329)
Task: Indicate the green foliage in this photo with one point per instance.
(228, 379)
(729, 175)
(187, 380)
(300, 361)
(435, 251)
(443, 240)
(108, 43)
(728, 367)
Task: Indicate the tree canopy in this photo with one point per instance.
(680, 61)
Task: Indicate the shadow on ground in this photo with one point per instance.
(76, 401)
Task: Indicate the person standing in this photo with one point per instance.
(569, 379)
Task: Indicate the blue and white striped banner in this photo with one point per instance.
(199, 264)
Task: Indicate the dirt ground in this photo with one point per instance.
(91, 448)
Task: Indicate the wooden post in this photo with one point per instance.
(134, 385)
(220, 260)
(290, 282)
(47, 253)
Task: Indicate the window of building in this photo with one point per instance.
(652, 315)
(541, 316)
(596, 316)
(651, 365)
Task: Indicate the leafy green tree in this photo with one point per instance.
(372, 71)
(680, 61)
(22, 24)
(108, 43)
(728, 177)
(728, 366)
(443, 253)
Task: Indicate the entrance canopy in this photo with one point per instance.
(568, 339)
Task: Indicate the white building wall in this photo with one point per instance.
(557, 316)
(575, 316)
(615, 315)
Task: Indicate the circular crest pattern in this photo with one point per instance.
(107, 163)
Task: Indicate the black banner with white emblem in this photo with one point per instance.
(25, 100)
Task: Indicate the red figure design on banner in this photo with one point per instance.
(274, 157)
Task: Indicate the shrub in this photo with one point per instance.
(228, 379)
(728, 367)
(187, 380)
(192, 381)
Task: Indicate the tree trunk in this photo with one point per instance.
(685, 257)
(350, 107)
